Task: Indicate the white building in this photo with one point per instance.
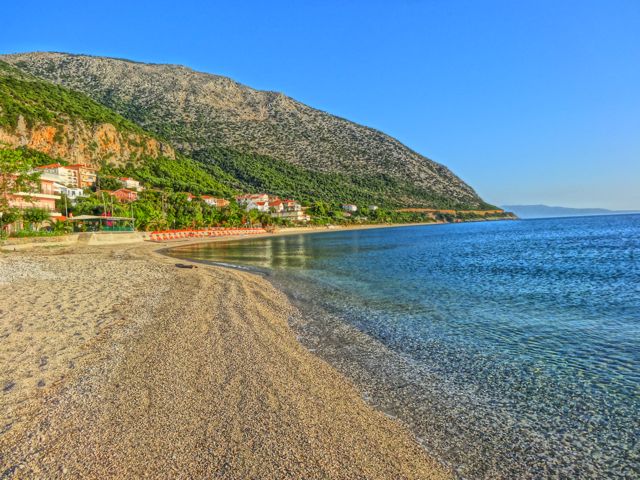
(63, 175)
(373, 208)
(215, 202)
(257, 205)
(72, 193)
(130, 183)
(288, 210)
(59, 185)
(276, 206)
(350, 208)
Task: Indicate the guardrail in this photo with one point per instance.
(171, 235)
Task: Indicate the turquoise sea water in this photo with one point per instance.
(511, 349)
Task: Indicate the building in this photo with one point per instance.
(293, 216)
(71, 193)
(350, 208)
(41, 195)
(63, 175)
(291, 206)
(130, 183)
(252, 197)
(123, 194)
(78, 175)
(373, 208)
(85, 175)
(276, 206)
(59, 187)
(288, 210)
(215, 202)
(257, 205)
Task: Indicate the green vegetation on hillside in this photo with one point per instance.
(40, 101)
(259, 173)
(36, 158)
(179, 175)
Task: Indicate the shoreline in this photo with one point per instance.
(123, 366)
(168, 245)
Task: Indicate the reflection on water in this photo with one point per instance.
(279, 252)
(512, 349)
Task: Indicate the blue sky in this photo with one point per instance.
(529, 101)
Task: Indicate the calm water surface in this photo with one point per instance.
(511, 349)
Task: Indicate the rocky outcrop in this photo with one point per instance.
(78, 142)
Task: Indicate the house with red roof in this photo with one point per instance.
(215, 202)
(123, 194)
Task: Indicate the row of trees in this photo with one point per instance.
(323, 213)
(159, 210)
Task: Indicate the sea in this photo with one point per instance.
(511, 349)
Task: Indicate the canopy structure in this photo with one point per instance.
(97, 223)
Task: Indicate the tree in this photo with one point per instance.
(108, 183)
(8, 217)
(34, 217)
(15, 176)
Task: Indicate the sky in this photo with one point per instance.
(528, 101)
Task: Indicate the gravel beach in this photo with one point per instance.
(116, 364)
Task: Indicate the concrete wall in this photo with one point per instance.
(103, 238)
(109, 238)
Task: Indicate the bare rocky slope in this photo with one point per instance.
(199, 113)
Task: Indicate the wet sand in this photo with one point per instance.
(116, 364)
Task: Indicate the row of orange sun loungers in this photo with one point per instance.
(168, 235)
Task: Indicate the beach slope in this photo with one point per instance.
(117, 364)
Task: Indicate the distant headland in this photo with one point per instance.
(546, 211)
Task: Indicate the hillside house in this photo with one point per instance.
(215, 202)
(254, 201)
(288, 210)
(77, 176)
(124, 195)
(257, 205)
(276, 206)
(130, 183)
(252, 197)
(349, 208)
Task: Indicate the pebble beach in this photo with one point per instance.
(116, 364)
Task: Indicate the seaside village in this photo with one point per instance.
(56, 188)
(58, 199)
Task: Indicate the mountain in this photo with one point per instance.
(545, 211)
(264, 140)
(52, 123)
